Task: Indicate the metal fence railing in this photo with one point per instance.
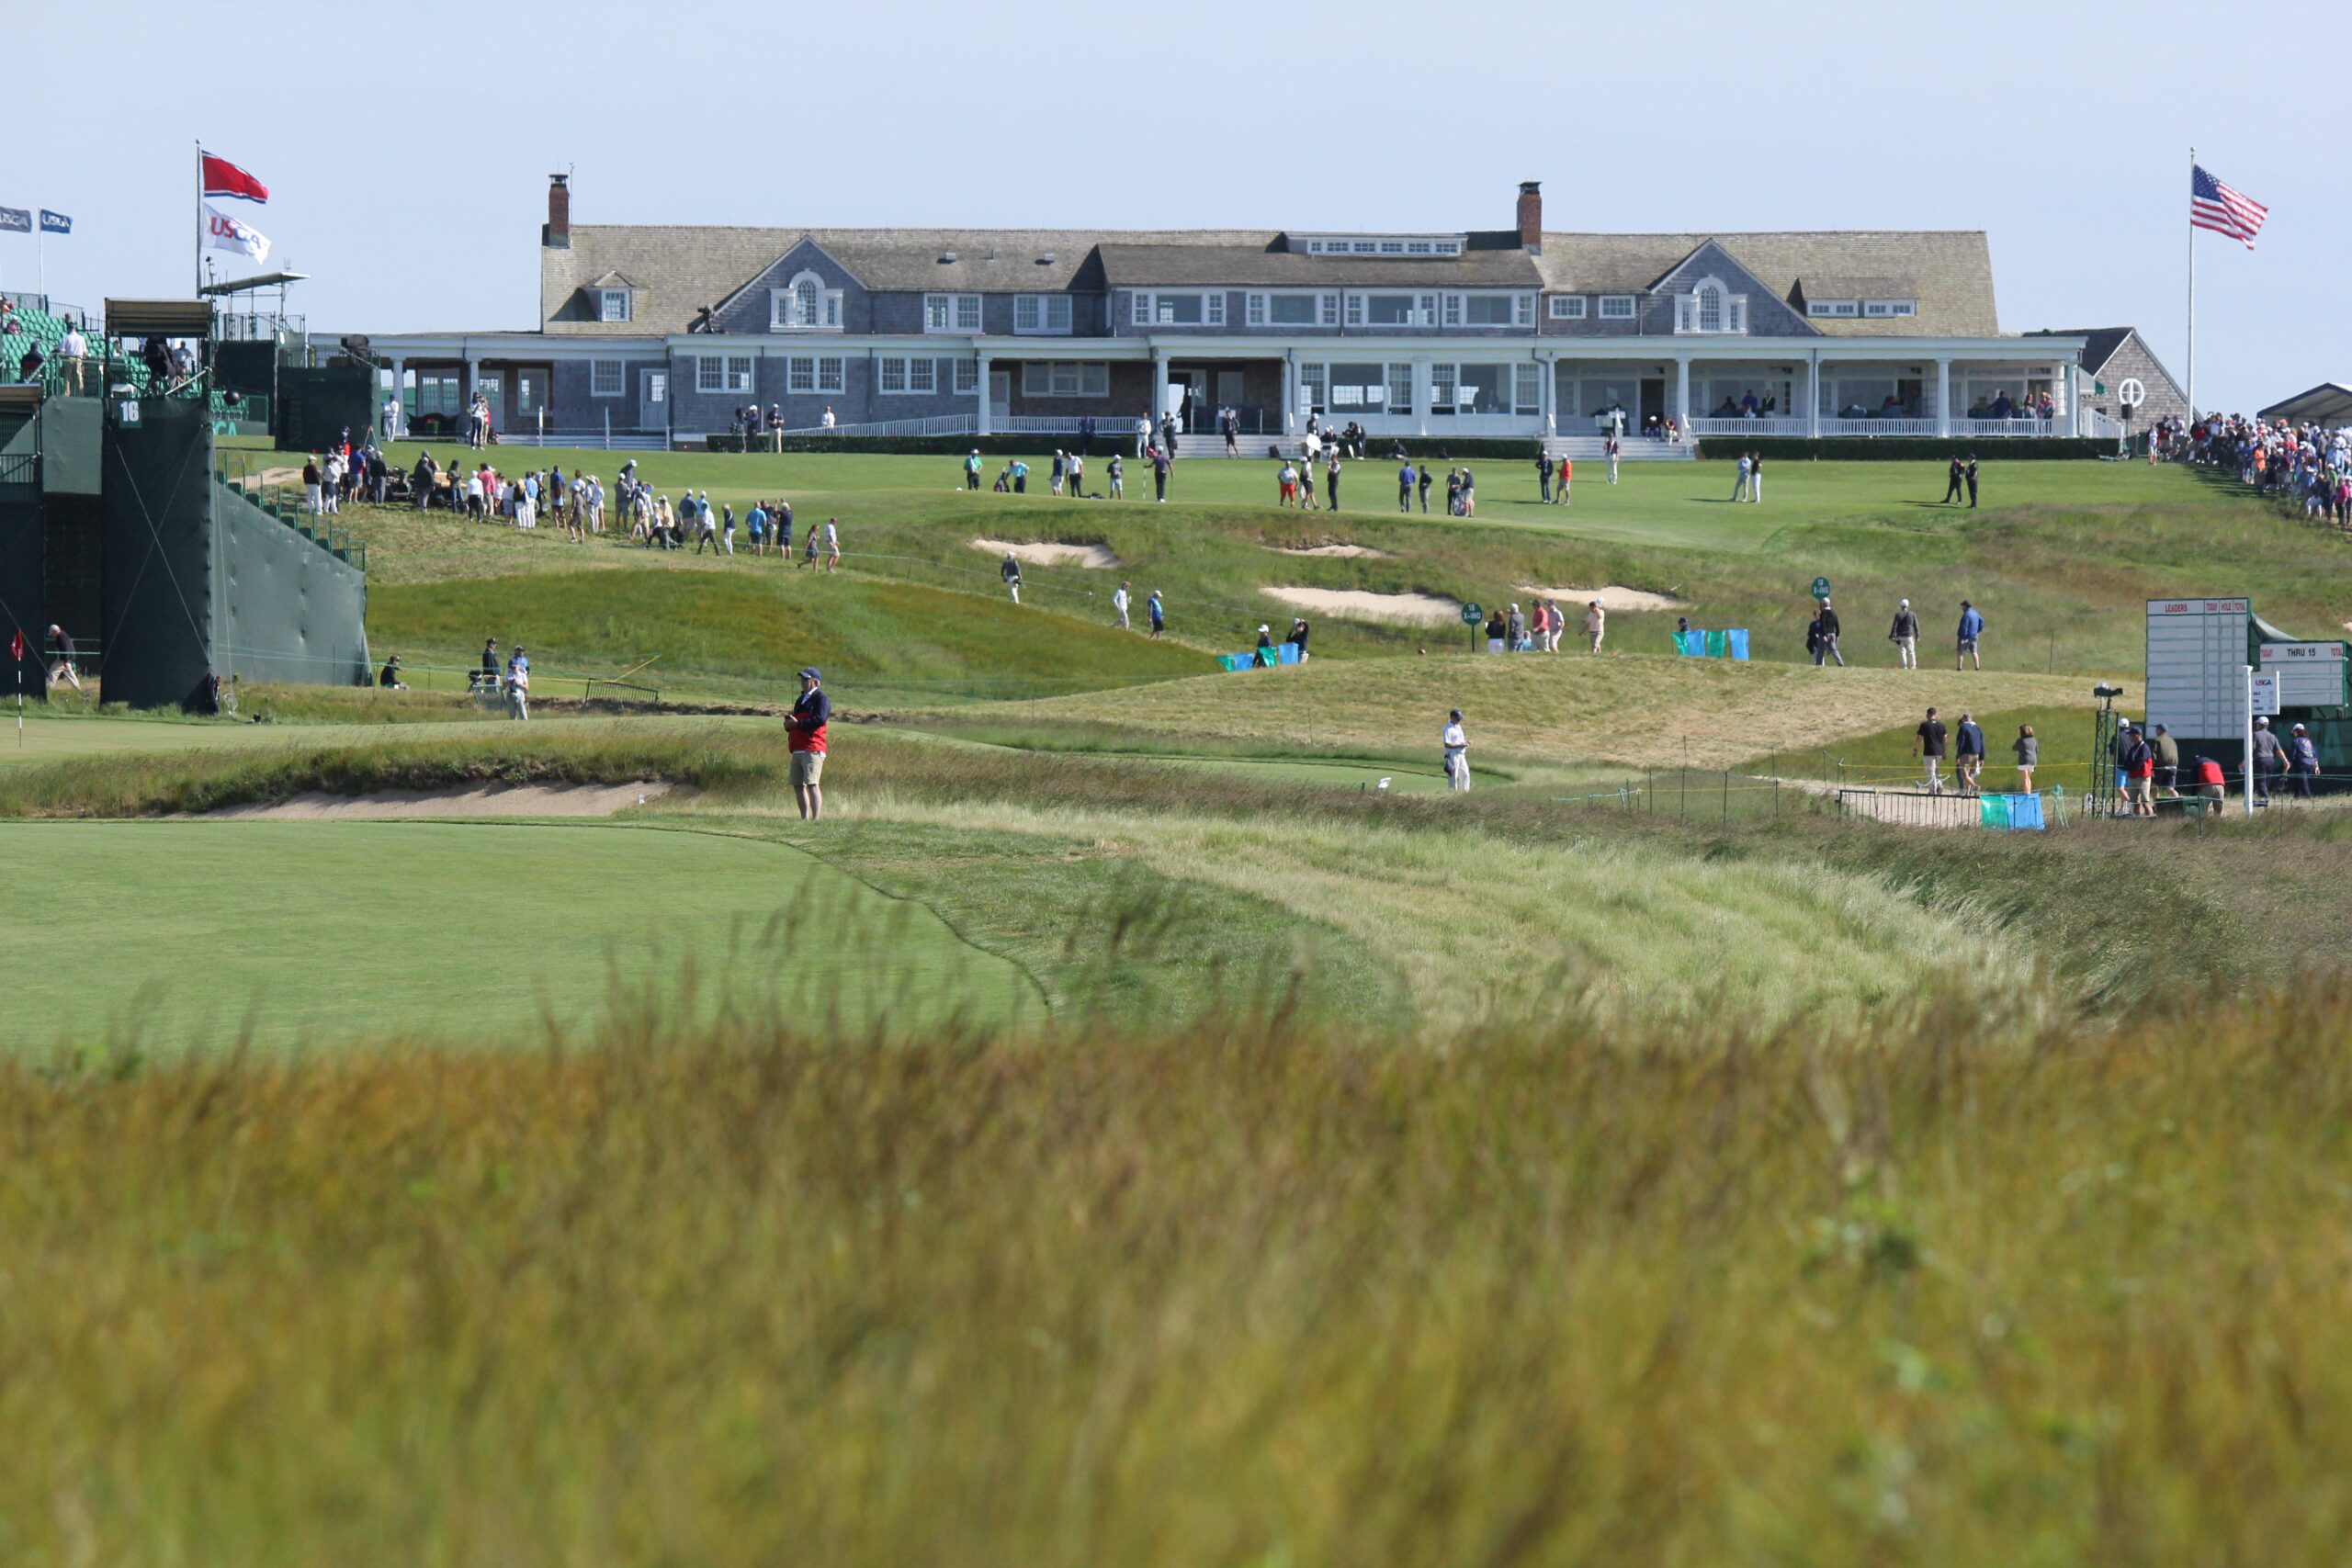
(1691, 795)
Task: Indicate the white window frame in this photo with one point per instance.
(1315, 386)
(890, 376)
(1214, 308)
(833, 373)
(1211, 305)
(967, 378)
(598, 370)
(784, 305)
(614, 305)
(742, 369)
(1352, 307)
(1443, 380)
(1065, 379)
(1042, 311)
(1253, 310)
(710, 373)
(1527, 390)
(1521, 310)
(1832, 310)
(1420, 309)
(800, 375)
(922, 375)
(1617, 308)
(951, 312)
(1567, 307)
(1400, 381)
(1890, 307)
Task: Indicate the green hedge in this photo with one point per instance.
(1909, 448)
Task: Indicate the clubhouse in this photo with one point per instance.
(657, 334)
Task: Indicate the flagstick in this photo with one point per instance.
(2192, 286)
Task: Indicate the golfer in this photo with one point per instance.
(805, 739)
(1119, 603)
(1927, 745)
(1905, 635)
(1457, 753)
(61, 658)
(1010, 573)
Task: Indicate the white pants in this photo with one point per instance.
(310, 497)
(1908, 647)
(1612, 468)
(1457, 773)
(1755, 488)
(1935, 779)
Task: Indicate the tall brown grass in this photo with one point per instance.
(1251, 1294)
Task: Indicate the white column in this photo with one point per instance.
(983, 425)
(1683, 396)
(1290, 391)
(1944, 397)
(2063, 388)
(400, 394)
(1550, 369)
(1158, 385)
(1813, 395)
(1421, 397)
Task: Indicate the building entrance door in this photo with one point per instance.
(1652, 399)
(1000, 394)
(653, 399)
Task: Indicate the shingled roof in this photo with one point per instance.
(1951, 270)
(1129, 265)
(2099, 344)
(687, 267)
(680, 268)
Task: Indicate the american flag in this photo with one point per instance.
(2212, 204)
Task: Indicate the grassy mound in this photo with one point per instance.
(745, 634)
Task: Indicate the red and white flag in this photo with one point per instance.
(223, 178)
(223, 232)
(16, 646)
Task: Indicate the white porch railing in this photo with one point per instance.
(1760, 427)
(1107, 425)
(2003, 428)
(1877, 426)
(938, 424)
(2104, 427)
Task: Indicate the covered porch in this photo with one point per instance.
(1994, 397)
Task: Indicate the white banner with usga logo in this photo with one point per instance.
(223, 232)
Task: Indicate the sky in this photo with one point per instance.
(408, 159)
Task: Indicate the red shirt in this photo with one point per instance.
(805, 730)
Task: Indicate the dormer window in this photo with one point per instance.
(613, 305)
(1833, 307)
(1711, 308)
(1890, 307)
(805, 305)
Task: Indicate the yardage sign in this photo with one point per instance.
(2197, 659)
(2311, 674)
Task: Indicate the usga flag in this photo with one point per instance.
(55, 222)
(16, 220)
(223, 232)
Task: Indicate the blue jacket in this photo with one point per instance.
(1972, 624)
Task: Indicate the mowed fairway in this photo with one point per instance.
(332, 932)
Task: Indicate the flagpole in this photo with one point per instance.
(199, 217)
(2192, 286)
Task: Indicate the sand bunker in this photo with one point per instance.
(1613, 597)
(1407, 609)
(490, 800)
(1351, 552)
(1097, 557)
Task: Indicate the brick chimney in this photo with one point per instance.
(1531, 216)
(557, 235)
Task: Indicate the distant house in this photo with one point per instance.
(2116, 358)
(2328, 403)
(669, 333)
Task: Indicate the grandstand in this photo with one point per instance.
(36, 321)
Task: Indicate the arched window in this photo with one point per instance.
(806, 302)
(1711, 306)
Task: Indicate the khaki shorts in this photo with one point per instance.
(2138, 789)
(807, 768)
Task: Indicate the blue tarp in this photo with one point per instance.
(1729, 643)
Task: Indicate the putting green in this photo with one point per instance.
(325, 932)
